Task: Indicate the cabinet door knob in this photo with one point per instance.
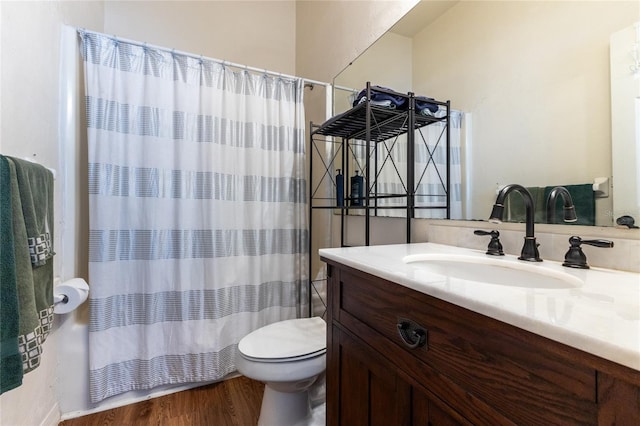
(412, 334)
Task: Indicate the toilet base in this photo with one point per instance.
(284, 408)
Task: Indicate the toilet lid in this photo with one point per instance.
(296, 338)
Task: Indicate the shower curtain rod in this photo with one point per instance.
(346, 89)
(191, 55)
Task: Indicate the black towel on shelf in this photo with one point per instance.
(398, 102)
(425, 106)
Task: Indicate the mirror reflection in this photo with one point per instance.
(546, 93)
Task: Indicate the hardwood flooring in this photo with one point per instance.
(234, 402)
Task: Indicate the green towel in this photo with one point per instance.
(583, 200)
(35, 184)
(515, 209)
(32, 197)
(10, 358)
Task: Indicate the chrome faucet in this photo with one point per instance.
(569, 209)
(530, 247)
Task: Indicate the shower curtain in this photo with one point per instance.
(198, 228)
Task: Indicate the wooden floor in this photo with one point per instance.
(234, 402)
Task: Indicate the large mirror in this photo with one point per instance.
(533, 83)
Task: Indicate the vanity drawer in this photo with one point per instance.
(526, 378)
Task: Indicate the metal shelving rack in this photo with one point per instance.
(366, 126)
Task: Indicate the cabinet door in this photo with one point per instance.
(371, 391)
(368, 391)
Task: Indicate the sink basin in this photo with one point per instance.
(497, 271)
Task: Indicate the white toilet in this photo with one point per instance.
(287, 356)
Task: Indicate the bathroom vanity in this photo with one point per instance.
(412, 344)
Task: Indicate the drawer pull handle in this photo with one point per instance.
(413, 336)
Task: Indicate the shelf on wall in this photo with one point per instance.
(386, 123)
(367, 127)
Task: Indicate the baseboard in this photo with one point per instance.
(53, 417)
(128, 401)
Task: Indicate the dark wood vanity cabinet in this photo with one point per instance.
(471, 370)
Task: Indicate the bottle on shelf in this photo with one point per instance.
(357, 190)
(339, 188)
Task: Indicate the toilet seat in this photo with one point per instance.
(284, 341)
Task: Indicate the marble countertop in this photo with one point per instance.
(599, 313)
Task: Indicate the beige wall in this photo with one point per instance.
(394, 71)
(535, 76)
(330, 34)
(256, 33)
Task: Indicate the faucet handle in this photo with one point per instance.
(575, 257)
(495, 246)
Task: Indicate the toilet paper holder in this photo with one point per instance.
(69, 295)
(60, 298)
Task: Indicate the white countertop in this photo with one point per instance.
(601, 315)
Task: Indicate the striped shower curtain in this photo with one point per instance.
(198, 229)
